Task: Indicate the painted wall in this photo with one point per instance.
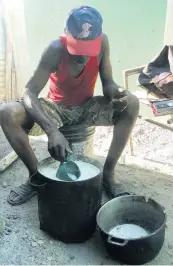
(135, 29)
(2, 57)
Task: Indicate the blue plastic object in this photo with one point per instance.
(68, 170)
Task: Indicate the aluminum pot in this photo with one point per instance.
(132, 210)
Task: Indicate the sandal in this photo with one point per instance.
(114, 190)
(21, 194)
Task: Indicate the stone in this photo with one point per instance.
(49, 258)
(15, 216)
(4, 184)
(40, 242)
(34, 244)
(24, 236)
(9, 230)
(7, 233)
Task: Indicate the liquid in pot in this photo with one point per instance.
(87, 171)
(128, 231)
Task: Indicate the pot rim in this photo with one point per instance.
(49, 180)
(134, 239)
(99, 166)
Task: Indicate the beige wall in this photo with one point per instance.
(20, 45)
(168, 38)
(16, 47)
(2, 58)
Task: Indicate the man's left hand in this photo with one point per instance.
(119, 99)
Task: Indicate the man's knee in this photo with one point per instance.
(10, 114)
(133, 107)
(5, 114)
(132, 110)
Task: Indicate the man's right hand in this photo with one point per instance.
(58, 146)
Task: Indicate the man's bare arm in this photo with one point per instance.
(48, 63)
(110, 88)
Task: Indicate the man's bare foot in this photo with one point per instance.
(112, 188)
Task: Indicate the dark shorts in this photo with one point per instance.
(95, 112)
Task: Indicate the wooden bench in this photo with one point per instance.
(143, 99)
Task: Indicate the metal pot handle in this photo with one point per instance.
(115, 242)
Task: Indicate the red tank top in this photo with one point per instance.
(73, 91)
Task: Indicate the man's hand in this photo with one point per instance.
(119, 99)
(58, 146)
(117, 96)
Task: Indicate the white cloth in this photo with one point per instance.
(168, 37)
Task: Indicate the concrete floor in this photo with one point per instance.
(23, 243)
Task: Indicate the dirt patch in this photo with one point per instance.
(33, 246)
(150, 141)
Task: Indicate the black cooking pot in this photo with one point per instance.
(68, 209)
(138, 211)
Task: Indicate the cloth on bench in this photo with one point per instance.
(157, 75)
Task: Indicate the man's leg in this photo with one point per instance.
(98, 112)
(13, 118)
(121, 133)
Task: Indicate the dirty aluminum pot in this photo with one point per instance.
(136, 210)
